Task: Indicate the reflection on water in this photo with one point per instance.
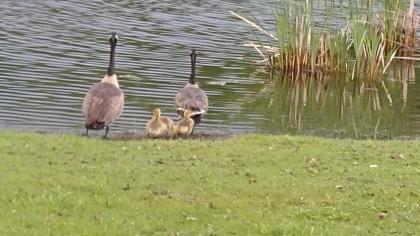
(338, 107)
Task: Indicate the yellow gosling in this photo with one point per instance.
(159, 126)
(186, 125)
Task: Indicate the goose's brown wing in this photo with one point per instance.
(192, 98)
(103, 103)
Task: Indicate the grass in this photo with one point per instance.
(370, 42)
(246, 185)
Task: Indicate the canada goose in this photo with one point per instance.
(104, 101)
(186, 125)
(159, 126)
(191, 96)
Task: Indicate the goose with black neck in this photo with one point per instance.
(191, 96)
(104, 101)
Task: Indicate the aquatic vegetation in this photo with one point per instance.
(366, 46)
(336, 73)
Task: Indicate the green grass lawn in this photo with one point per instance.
(246, 185)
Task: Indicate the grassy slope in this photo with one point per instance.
(247, 185)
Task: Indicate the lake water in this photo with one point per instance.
(51, 52)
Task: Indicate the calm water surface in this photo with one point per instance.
(52, 51)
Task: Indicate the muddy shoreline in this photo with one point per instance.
(132, 135)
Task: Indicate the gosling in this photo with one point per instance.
(159, 126)
(185, 126)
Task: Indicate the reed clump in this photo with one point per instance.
(366, 46)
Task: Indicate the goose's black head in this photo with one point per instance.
(193, 54)
(113, 38)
